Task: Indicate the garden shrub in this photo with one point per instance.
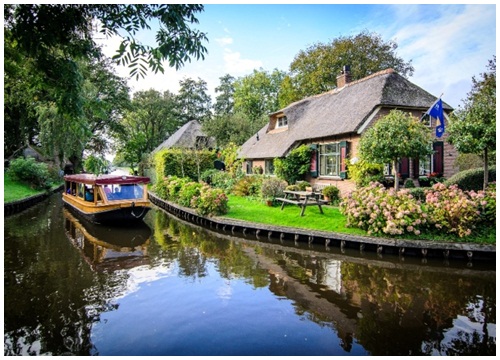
(451, 209)
(331, 192)
(302, 185)
(295, 165)
(188, 192)
(174, 186)
(210, 202)
(418, 193)
(364, 172)
(183, 162)
(383, 211)
(272, 188)
(248, 186)
(471, 179)
(30, 171)
(293, 188)
(409, 184)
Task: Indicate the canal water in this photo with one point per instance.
(173, 288)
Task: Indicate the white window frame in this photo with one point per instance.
(326, 154)
(281, 122)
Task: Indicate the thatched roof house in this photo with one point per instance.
(190, 135)
(337, 118)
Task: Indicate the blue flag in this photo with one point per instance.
(436, 111)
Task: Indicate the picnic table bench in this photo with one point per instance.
(302, 199)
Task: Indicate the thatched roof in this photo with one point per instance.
(337, 112)
(185, 137)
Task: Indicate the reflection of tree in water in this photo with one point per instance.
(194, 247)
(414, 309)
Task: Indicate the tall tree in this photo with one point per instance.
(194, 101)
(472, 126)
(152, 118)
(104, 96)
(257, 94)
(397, 135)
(55, 35)
(224, 101)
(315, 70)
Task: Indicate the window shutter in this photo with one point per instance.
(314, 161)
(404, 168)
(344, 152)
(438, 158)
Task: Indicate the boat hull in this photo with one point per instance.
(114, 215)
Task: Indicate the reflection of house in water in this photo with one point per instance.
(108, 248)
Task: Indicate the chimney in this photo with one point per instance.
(344, 77)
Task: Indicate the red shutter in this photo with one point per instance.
(438, 158)
(314, 161)
(404, 168)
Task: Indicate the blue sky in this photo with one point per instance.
(448, 44)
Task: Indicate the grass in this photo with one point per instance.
(255, 210)
(14, 190)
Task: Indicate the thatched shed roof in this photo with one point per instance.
(185, 137)
(337, 112)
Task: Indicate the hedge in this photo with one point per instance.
(471, 179)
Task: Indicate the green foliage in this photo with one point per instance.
(30, 171)
(199, 196)
(256, 94)
(95, 165)
(235, 127)
(188, 191)
(409, 184)
(471, 179)
(272, 188)
(193, 100)
(229, 155)
(213, 177)
(248, 186)
(472, 128)
(468, 161)
(224, 100)
(314, 70)
(183, 162)
(295, 165)
(210, 202)
(363, 172)
(302, 185)
(331, 192)
(395, 136)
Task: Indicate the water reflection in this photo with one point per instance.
(106, 247)
(179, 289)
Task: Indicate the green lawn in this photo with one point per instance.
(13, 190)
(255, 210)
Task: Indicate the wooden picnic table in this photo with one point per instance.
(302, 199)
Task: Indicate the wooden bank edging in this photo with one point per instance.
(422, 248)
(17, 206)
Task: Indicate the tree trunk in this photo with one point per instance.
(486, 172)
(396, 178)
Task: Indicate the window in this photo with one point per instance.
(282, 122)
(425, 165)
(426, 119)
(249, 165)
(269, 167)
(329, 159)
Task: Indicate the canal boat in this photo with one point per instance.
(106, 199)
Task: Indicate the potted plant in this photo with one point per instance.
(331, 193)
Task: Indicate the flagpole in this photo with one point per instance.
(434, 103)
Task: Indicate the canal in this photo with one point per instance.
(174, 288)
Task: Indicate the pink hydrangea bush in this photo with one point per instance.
(381, 211)
(447, 209)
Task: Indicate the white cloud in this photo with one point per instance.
(224, 41)
(235, 65)
(447, 45)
